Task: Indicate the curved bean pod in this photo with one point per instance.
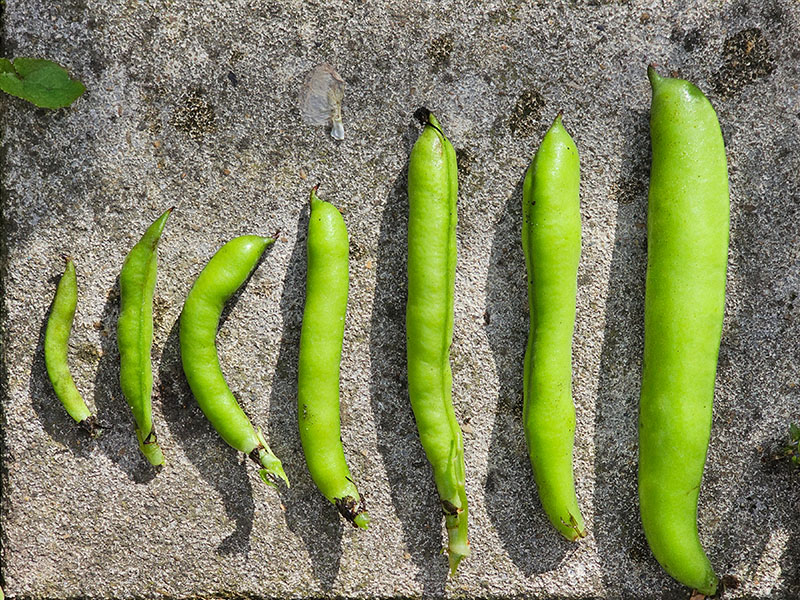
(687, 254)
(56, 343)
(137, 282)
(551, 239)
(320, 353)
(227, 270)
(432, 192)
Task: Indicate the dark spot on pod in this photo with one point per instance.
(449, 508)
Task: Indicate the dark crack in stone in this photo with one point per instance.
(526, 113)
(747, 58)
(195, 116)
(440, 50)
(689, 39)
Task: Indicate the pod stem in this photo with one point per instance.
(150, 448)
(362, 520)
(455, 508)
(272, 471)
(353, 510)
(91, 426)
(457, 542)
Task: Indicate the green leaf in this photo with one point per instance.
(794, 432)
(43, 82)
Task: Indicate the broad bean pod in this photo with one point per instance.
(137, 282)
(56, 345)
(551, 239)
(227, 270)
(687, 254)
(432, 193)
(321, 339)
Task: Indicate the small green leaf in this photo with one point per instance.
(794, 432)
(42, 82)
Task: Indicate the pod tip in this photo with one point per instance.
(314, 197)
(653, 75)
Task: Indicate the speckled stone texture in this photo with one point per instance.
(195, 104)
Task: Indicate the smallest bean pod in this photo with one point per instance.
(56, 344)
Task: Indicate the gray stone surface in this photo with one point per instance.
(194, 104)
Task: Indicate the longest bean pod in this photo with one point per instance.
(551, 239)
(432, 192)
(137, 282)
(687, 253)
(56, 345)
(227, 270)
(320, 353)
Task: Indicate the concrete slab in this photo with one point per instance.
(195, 104)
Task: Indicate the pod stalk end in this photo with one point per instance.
(150, 448)
(91, 426)
(353, 510)
(457, 540)
(272, 471)
(361, 520)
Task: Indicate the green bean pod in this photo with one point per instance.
(225, 273)
(687, 255)
(56, 343)
(137, 282)
(432, 192)
(321, 339)
(551, 239)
